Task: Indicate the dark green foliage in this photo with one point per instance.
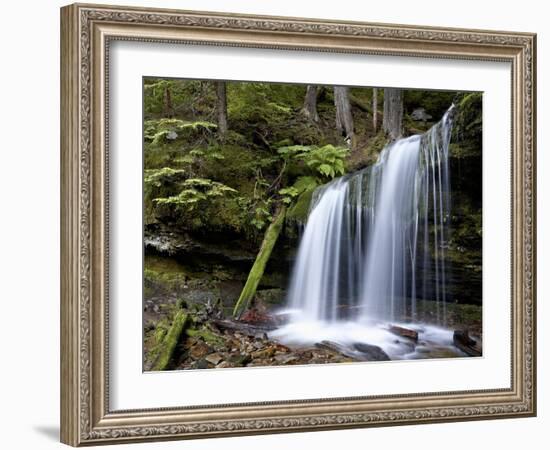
(434, 102)
(467, 132)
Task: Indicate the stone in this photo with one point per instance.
(285, 359)
(224, 365)
(201, 364)
(463, 341)
(372, 352)
(404, 332)
(214, 358)
(265, 353)
(239, 359)
(172, 135)
(420, 115)
(199, 350)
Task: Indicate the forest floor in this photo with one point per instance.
(211, 341)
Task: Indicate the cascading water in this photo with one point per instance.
(374, 242)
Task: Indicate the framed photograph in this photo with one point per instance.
(275, 224)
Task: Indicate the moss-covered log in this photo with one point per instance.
(170, 341)
(257, 271)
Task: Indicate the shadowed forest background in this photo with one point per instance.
(229, 172)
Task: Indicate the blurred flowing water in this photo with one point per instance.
(373, 244)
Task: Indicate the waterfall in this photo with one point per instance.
(375, 240)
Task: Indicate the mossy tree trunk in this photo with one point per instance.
(310, 103)
(221, 107)
(258, 268)
(393, 112)
(168, 344)
(344, 119)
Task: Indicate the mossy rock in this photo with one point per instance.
(299, 212)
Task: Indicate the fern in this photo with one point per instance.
(195, 191)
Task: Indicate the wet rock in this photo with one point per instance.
(372, 352)
(404, 332)
(463, 341)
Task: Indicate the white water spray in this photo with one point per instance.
(375, 240)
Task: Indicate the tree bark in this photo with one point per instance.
(393, 112)
(171, 340)
(310, 103)
(257, 271)
(344, 119)
(375, 109)
(168, 107)
(221, 107)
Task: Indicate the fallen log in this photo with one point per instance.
(257, 270)
(245, 328)
(463, 341)
(404, 332)
(168, 344)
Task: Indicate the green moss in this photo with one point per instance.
(206, 335)
(368, 154)
(170, 341)
(466, 141)
(257, 271)
(298, 212)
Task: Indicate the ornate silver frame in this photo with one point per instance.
(86, 31)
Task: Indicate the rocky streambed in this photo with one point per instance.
(207, 340)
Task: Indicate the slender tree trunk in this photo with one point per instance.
(221, 107)
(393, 112)
(257, 270)
(168, 107)
(344, 119)
(310, 103)
(375, 109)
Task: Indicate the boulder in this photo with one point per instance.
(463, 341)
(404, 332)
(372, 352)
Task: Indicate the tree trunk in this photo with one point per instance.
(375, 109)
(393, 112)
(221, 108)
(310, 104)
(168, 107)
(170, 341)
(257, 271)
(344, 119)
